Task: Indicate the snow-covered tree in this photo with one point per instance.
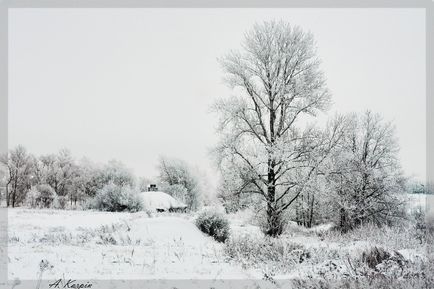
(182, 179)
(57, 170)
(91, 178)
(45, 195)
(18, 163)
(115, 172)
(117, 198)
(86, 183)
(277, 82)
(235, 191)
(365, 175)
(4, 177)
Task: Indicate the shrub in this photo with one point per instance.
(279, 225)
(213, 224)
(41, 196)
(378, 262)
(374, 256)
(46, 195)
(419, 225)
(114, 198)
(60, 202)
(31, 197)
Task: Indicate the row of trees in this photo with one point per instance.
(40, 180)
(69, 179)
(271, 155)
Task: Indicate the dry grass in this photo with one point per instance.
(395, 238)
(260, 252)
(114, 234)
(366, 257)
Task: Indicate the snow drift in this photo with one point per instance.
(160, 201)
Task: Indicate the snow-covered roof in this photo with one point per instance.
(160, 200)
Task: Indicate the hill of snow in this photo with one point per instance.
(106, 245)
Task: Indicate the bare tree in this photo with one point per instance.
(19, 167)
(6, 175)
(236, 191)
(181, 180)
(277, 82)
(365, 173)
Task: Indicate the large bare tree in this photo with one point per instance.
(277, 82)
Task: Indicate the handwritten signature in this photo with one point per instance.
(70, 283)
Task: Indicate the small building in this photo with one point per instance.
(152, 188)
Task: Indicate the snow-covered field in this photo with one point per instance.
(102, 245)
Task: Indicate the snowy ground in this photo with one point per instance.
(100, 245)
(103, 245)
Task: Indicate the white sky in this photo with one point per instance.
(133, 84)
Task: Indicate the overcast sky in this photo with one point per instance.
(133, 84)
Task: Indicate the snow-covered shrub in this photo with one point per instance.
(374, 256)
(377, 262)
(260, 252)
(88, 204)
(214, 224)
(116, 198)
(60, 202)
(419, 224)
(31, 197)
(46, 195)
(280, 221)
(41, 196)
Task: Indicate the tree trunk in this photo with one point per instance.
(14, 192)
(13, 199)
(297, 212)
(344, 225)
(7, 195)
(311, 211)
(274, 218)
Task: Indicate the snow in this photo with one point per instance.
(160, 200)
(167, 247)
(104, 245)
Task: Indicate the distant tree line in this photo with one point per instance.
(71, 181)
(420, 188)
(59, 180)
